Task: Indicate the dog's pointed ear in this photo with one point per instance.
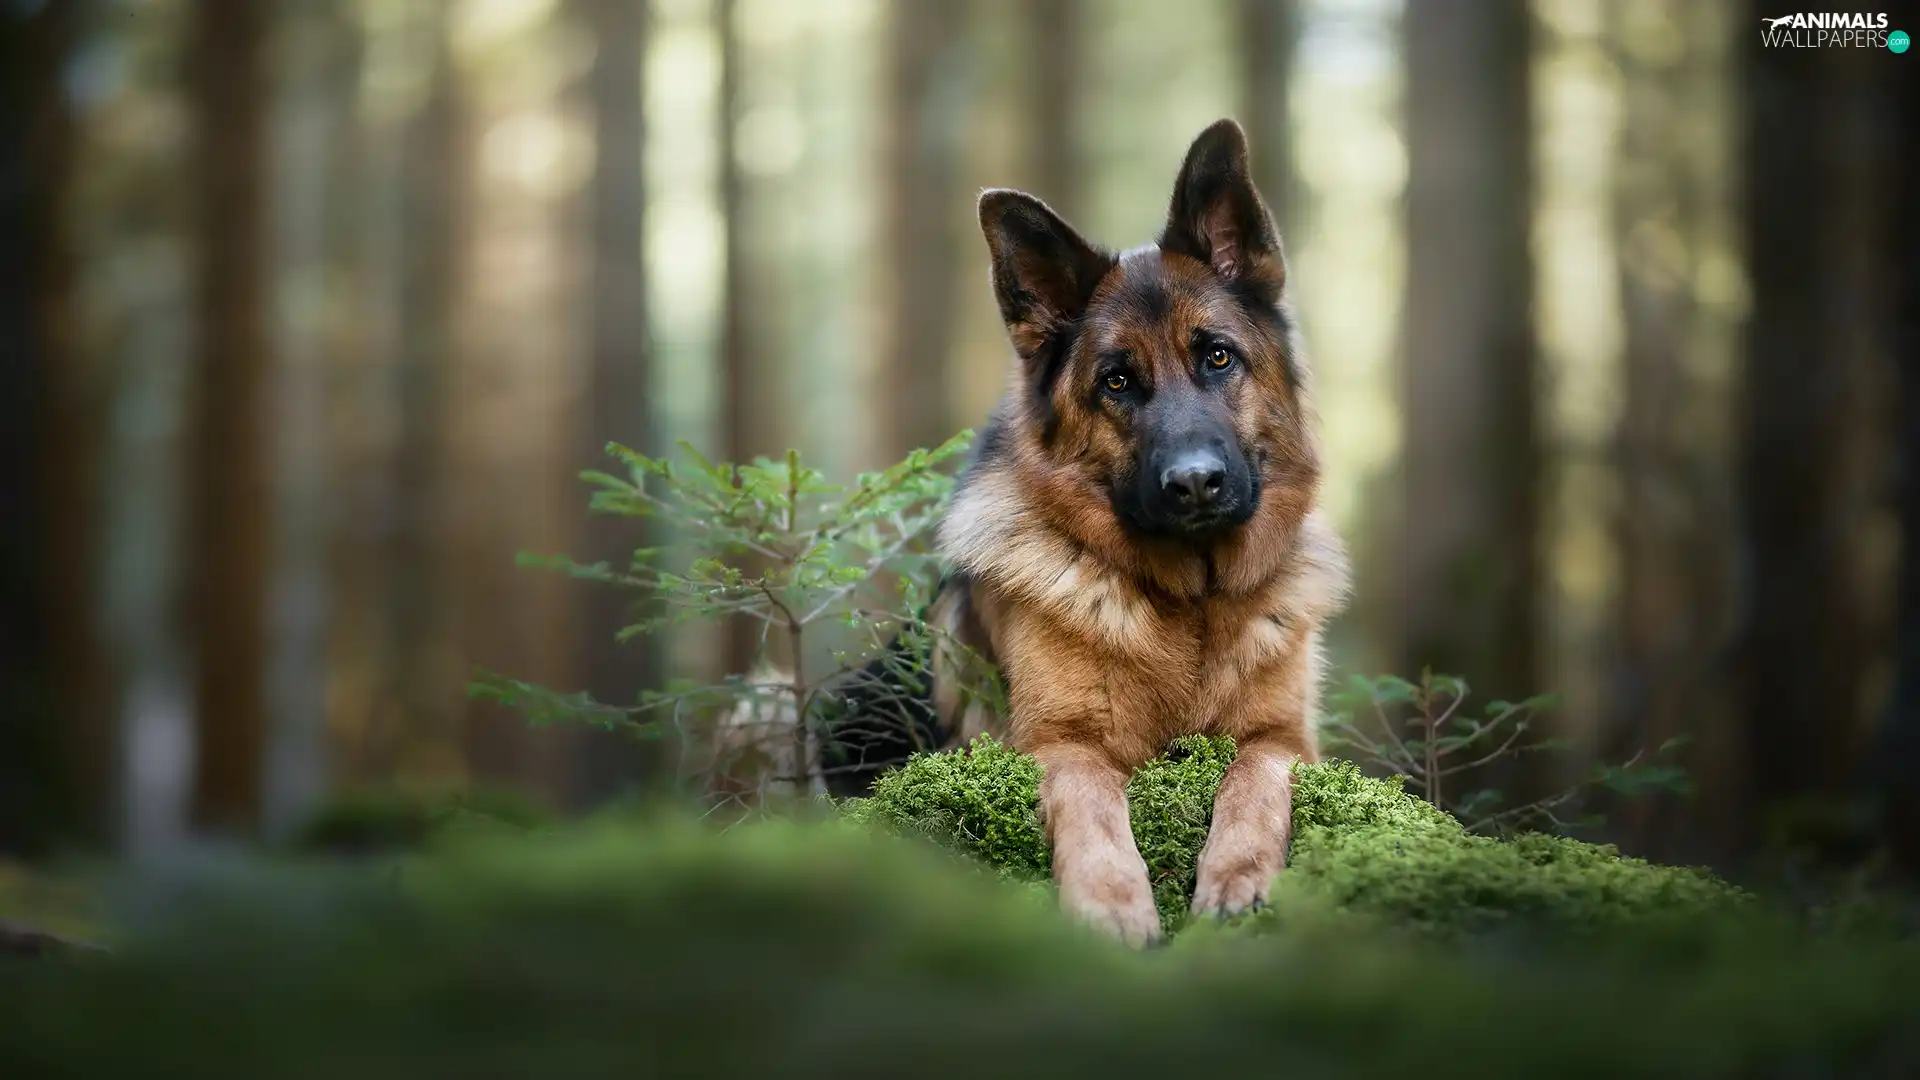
(1217, 216)
(1043, 272)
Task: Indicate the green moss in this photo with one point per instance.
(1335, 796)
(373, 822)
(1458, 883)
(657, 947)
(1170, 802)
(651, 944)
(980, 802)
(1360, 845)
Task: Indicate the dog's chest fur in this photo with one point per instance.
(1082, 643)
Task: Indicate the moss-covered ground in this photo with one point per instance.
(660, 946)
(1361, 846)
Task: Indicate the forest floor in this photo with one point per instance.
(655, 943)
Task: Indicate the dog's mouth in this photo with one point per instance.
(1143, 516)
(1206, 523)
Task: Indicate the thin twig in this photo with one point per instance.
(1519, 729)
(1538, 806)
(1386, 725)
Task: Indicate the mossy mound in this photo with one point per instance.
(980, 802)
(1451, 883)
(1360, 845)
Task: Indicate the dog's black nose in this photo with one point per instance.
(1194, 479)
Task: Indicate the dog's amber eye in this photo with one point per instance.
(1116, 384)
(1219, 358)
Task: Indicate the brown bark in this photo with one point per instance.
(434, 207)
(749, 389)
(618, 403)
(1269, 32)
(1673, 522)
(1898, 745)
(739, 434)
(227, 508)
(1470, 454)
(1823, 244)
(318, 68)
(363, 239)
(924, 152)
(57, 755)
(1053, 29)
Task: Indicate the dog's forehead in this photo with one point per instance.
(1153, 293)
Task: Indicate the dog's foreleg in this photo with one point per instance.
(1252, 822)
(1102, 878)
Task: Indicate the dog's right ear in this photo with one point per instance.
(1043, 272)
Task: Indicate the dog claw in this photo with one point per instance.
(1222, 911)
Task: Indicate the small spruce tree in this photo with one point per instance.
(834, 577)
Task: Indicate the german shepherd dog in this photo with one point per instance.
(1137, 542)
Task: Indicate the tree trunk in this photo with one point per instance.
(434, 204)
(1470, 454)
(317, 140)
(56, 749)
(750, 389)
(619, 402)
(227, 507)
(1899, 743)
(367, 237)
(1269, 32)
(924, 204)
(1053, 33)
(1674, 519)
(1818, 256)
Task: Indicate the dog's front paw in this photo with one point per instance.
(1113, 897)
(1230, 883)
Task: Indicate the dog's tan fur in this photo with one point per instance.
(1113, 644)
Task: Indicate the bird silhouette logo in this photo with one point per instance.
(1774, 24)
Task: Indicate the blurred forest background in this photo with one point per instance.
(312, 311)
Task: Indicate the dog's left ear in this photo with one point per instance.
(1218, 217)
